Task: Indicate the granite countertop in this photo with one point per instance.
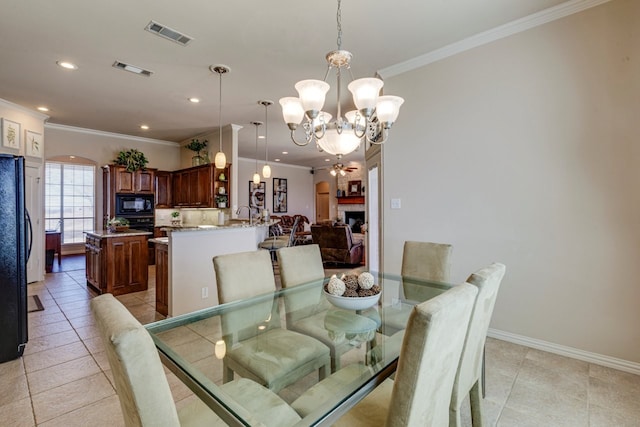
(127, 233)
(229, 225)
(160, 240)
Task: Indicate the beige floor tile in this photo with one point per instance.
(555, 362)
(490, 413)
(78, 312)
(209, 328)
(103, 413)
(48, 342)
(85, 332)
(513, 418)
(43, 317)
(49, 329)
(623, 399)
(543, 402)
(622, 379)
(13, 389)
(498, 386)
(18, 413)
(195, 350)
(74, 297)
(83, 321)
(61, 374)
(178, 336)
(55, 356)
(504, 357)
(567, 382)
(94, 344)
(211, 368)
(604, 417)
(102, 360)
(12, 369)
(69, 397)
(178, 389)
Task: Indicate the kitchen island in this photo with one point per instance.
(117, 262)
(191, 282)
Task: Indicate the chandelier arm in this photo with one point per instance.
(321, 134)
(355, 126)
(384, 131)
(301, 144)
(326, 74)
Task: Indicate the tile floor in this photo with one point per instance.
(64, 378)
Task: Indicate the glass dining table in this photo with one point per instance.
(193, 346)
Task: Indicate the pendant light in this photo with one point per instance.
(220, 160)
(256, 175)
(266, 169)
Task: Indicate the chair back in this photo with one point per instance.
(294, 229)
(141, 384)
(299, 265)
(488, 281)
(427, 261)
(429, 358)
(240, 276)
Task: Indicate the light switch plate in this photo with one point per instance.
(396, 203)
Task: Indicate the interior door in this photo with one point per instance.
(322, 201)
(374, 209)
(33, 202)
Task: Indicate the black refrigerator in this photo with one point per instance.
(14, 252)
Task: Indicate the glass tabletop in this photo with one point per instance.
(367, 340)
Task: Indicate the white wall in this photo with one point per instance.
(525, 151)
(300, 191)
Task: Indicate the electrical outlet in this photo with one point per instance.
(205, 292)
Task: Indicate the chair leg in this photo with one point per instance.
(323, 371)
(475, 398)
(454, 418)
(227, 374)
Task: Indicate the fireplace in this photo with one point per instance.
(354, 219)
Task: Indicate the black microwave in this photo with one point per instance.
(134, 204)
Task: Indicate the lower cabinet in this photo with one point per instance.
(162, 279)
(117, 264)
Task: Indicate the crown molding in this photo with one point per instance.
(497, 33)
(36, 114)
(109, 134)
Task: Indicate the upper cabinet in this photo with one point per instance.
(163, 193)
(201, 187)
(124, 181)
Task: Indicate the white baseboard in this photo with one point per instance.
(595, 358)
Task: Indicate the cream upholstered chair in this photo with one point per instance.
(431, 348)
(142, 387)
(469, 376)
(306, 310)
(421, 261)
(257, 346)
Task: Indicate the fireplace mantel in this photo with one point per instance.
(351, 200)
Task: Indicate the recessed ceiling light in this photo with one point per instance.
(44, 109)
(144, 127)
(194, 100)
(327, 160)
(285, 152)
(72, 157)
(261, 137)
(67, 65)
(276, 160)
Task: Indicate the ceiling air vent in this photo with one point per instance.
(132, 68)
(168, 33)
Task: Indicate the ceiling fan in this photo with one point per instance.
(341, 169)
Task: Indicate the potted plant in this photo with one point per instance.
(131, 159)
(117, 224)
(221, 200)
(175, 218)
(197, 146)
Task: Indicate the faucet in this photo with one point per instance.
(248, 209)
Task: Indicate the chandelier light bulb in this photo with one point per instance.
(342, 172)
(312, 94)
(365, 92)
(292, 110)
(333, 172)
(388, 108)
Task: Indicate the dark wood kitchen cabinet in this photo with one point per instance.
(118, 180)
(197, 186)
(163, 190)
(117, 263)
(162, 278)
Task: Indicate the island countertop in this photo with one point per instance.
(106, 234)
(234, 224)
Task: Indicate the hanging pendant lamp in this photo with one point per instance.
(266, 169)
(220, 159)
(256, 175)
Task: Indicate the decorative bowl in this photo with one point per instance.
(353, 303)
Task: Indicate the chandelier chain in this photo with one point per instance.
(339, 20)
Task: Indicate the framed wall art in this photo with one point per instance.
(355, 188)
(256, 195)
(279, 195)
(10, 134)
(33, 143)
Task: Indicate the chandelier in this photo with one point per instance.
(372, 120)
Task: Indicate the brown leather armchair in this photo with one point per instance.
(337, 244)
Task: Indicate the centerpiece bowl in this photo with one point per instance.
(353, 303)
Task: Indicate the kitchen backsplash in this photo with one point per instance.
(188, 216)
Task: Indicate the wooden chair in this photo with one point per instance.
(257, 346)
(142, 387)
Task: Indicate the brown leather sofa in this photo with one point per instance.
(337, 244)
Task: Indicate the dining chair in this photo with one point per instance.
(421, 261)
(257, 346)
(431, 349)
(469, 378)
(142, 387)
(273, 243)
(307, 309)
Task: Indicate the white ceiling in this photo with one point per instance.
(269, 46)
